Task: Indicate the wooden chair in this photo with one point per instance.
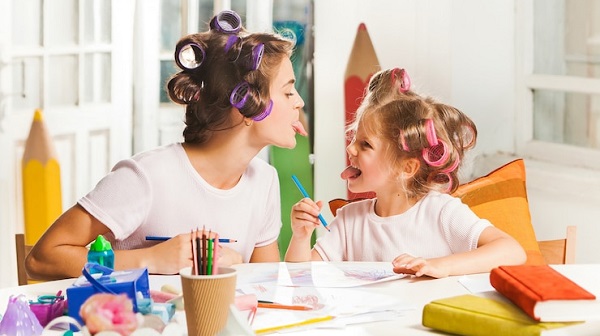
(560, 251)
(22, 252)
(557, 251)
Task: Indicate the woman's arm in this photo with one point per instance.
(61, 252)
(268, 253)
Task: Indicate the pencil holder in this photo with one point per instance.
(206, 299)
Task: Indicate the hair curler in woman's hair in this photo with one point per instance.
(239, 95)
(227, 21)
(189, 56)
(257, 55)
(264, 113)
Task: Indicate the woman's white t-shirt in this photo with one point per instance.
(159, 193)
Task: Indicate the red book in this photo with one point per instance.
(545, 294)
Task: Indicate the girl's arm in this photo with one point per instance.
(305, 219)
(494, 248)
(61, 252)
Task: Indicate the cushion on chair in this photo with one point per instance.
(501, 198)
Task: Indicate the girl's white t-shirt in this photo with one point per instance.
(159, 193)
(437, 225)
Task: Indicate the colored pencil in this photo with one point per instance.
(163, 238)
(215, 265)
(362, 64)
(209, 256)
(42, 196)
(204, 246)
(282, 306)
(293, 325)
(305, 194)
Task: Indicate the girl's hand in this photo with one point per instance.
(305, 218)
(417, 266)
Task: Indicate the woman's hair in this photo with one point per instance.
(413, 126)
(224, 67)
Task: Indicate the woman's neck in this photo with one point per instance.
(223, 160)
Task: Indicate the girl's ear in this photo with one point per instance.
(409, 167)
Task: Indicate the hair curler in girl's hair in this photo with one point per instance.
(227, 21)
(189, 56)
(437, 153)
(401, 74)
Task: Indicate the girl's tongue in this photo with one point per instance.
(350, 172)
(299, 128)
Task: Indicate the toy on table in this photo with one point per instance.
(48, 307)
(101, 253)
(18, 319)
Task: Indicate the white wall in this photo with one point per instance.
(463, 53)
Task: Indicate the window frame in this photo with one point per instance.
(526, 82)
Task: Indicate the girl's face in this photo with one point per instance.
(280, 127)
(368, 156)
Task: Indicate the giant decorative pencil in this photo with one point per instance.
(42, 197)
(362, 64)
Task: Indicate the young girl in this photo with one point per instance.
(239, 96)
(406, 149)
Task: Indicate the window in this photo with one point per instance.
(558, 106)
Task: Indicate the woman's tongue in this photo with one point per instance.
(299, 128)
(350, 172)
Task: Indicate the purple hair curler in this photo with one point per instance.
(231, 40)
(190, 56)
(257, 55)
(264, 113)
(239, 95)
(226, 21)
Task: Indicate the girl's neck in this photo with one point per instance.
(394, 204)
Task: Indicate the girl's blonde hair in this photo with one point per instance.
(415, 127)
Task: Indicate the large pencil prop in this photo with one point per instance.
(42, 199)
(362, 64)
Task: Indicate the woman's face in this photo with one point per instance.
(280, 127)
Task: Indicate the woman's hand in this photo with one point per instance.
(170, 256)
(417, 266)
(228, 256)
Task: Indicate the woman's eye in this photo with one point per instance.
(289, 94)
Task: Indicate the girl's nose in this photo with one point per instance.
(350, 149)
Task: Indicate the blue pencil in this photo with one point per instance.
(161, 238)
(305, 194)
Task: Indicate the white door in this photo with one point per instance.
(72, 59)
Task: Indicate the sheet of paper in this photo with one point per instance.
(322, 274)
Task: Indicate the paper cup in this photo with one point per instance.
(206, 299)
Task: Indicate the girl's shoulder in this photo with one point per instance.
(362, 205)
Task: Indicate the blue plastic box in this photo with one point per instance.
(135, 283)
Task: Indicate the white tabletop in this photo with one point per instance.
(413, 291)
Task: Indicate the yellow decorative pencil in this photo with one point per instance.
(294, 325)
(42, 197)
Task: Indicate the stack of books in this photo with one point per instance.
(539, 299)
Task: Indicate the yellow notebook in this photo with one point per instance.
(475, 315)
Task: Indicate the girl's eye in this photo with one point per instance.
(365, 144)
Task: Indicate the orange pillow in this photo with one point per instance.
(501, 198)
